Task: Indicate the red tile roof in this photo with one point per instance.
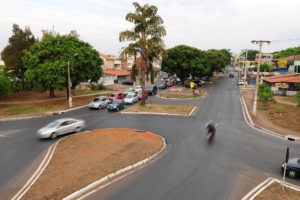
(117, 72)
(105, 56)
(283, 78)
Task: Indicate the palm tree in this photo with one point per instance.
(146, 36)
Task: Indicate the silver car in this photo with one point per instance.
(60, 127)
(131, 99)
(99, 102)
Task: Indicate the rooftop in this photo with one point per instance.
(284, 78)
(116, 72)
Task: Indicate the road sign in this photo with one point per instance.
(196, 92)
(191, 84)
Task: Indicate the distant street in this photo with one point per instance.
(237, 160)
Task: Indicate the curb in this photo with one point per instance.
(249, 121)
(142, 163)
(167, 114)
(37, 173)
(42, 115)
(266, 183)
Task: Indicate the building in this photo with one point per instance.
(112, 76)
(284, 84)
(289, 64)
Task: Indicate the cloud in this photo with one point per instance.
(204, 24)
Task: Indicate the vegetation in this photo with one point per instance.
(5, 83)
(12, 54)
(265, 94)
(250, 55)
(184, 61)
(47, 61)
(264, 68)
(288, 52)
(298, 97)
(146, 37)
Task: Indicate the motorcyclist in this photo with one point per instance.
(210, 126)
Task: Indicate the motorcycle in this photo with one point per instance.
(210, 136)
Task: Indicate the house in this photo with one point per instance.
(284, 84)
(111, 76)
(108, 61)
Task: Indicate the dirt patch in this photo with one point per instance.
(157, 108)
(278, 117)
(83, 158)
(34, 108)
(275, 192)
(179, 92)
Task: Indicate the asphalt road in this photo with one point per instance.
(239, 157)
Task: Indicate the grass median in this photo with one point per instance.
(84, 158)
(157, 108)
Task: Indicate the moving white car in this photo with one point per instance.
(138, 88)
(60, 127)
(99, 102)
(240, 82)
(131, 99)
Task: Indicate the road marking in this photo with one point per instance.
(3, 136)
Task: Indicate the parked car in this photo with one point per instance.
(115, 105)
(127, 83)
(152, 89)
(170, 83)
(140, 95)
(292, 168)
(138, 88)
(231, 75)
(129, 91)
(162, 85)
(199, 82)
(131, 98)
(99, 102)
(177, 80)
(60, 127)
(117, 95)
(240, 82)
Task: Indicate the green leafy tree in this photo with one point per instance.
(12, 54)
(250, 55)
(287, 52)
(217, 60)
(46, 63)
(265, 94)
(5, 83)
(145, 37)
(183, 60)
(298, 97)
(264, 68)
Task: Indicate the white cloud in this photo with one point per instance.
(204, 24)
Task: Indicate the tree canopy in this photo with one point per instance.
(5, 83)
(250, 55)
(145, 37)
(287, 52)
(46, 63)
(12, 54)
(264, 68)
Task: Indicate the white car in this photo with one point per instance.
(240, 82)
(60, 127)
(99, 102)
(138, 88)
(131, 99)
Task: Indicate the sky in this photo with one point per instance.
(204, 24)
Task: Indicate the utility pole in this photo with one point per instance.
(69, 86)
(260, 42)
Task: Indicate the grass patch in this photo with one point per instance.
(278, 109)
(275, 192)
(287, 99)
(156, 108)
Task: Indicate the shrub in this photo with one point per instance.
(298, 97)
(99, 86)
(265, 94)
(5, 84)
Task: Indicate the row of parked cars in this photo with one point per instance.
(168, 82)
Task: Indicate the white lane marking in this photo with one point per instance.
(3, 135)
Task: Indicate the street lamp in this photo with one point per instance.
(69, 82)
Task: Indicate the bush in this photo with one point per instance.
(99, 86)
(298, 97)
(5, 84)
(265, 94)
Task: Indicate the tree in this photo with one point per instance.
(12, 54)
(217, 60)
(250, 55)
(264, 68)
(265, 94)
(46, 63)
(5, 83)
(146, 37)
(287, 52)
(183, 60)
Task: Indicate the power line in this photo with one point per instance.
(286, 40)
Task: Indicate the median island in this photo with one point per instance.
(84, 158)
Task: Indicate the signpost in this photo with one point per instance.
(285, 163)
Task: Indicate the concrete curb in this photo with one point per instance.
(80, 193)
(37, 173)
(167, 114)
(249, 121)
(45, 114)
(266, 183)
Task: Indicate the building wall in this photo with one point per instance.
(107, 79)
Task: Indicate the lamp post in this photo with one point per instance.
(69, 83)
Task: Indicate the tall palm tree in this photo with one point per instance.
(146, 36)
